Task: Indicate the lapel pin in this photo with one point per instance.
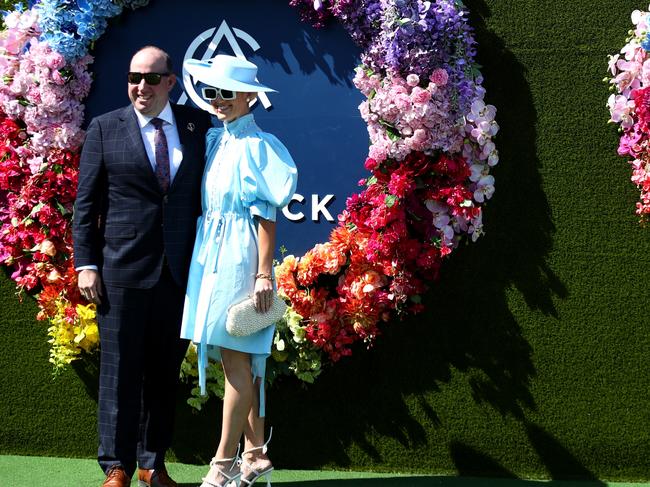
(190, 127)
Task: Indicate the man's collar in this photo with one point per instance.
(167, 115)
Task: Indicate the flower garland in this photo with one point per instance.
(44, 69)
(629, 105)
(430, 157)
(429, 161)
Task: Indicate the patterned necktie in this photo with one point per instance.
(162, 154)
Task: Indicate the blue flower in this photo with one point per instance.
(69, 26)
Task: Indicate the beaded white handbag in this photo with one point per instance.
(244, 320)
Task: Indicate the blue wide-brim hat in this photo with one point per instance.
(226, 72)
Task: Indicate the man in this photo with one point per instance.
(134, 227)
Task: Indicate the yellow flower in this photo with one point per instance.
(86, 312)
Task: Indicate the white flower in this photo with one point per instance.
(612, 64)
(484, 189)
(476, 228)
(441, 219)
(478, 171)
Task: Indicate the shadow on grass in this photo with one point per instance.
(559, 462)
(441, 481)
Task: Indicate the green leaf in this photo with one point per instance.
(62, 209)
(36, 209)
(392, 135)
(195, 403)
(28, 219)
(386, 124)
(390, 200)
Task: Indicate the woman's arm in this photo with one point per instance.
(266, 248)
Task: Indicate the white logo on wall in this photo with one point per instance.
(318, 204)
(230, 36)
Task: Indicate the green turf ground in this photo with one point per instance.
(17, 471)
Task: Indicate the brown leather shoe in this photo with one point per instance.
(155, 478)
(116, 477)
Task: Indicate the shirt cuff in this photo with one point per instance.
(86, 268)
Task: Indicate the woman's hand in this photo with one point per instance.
(263, 294)
(264, 277)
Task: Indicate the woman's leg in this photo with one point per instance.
(254, 436)
(237, 403)
(237, 400)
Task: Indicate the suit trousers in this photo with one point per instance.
(141, 354)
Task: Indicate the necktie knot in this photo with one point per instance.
(157, 123)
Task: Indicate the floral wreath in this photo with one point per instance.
(629, 105)
(429, 161)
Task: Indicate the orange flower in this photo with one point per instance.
(342, 239)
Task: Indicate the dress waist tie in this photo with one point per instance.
(213, 235)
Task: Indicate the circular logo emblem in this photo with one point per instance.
(217, 36)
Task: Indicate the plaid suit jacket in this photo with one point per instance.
(122, 221)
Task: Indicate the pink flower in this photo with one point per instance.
(439, 77)
(377, 152)
(621, 110)
(400, 184)
(35, 164)
(420, 95)
(628, 143)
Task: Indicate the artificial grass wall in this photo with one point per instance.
(532, 357)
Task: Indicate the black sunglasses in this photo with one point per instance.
(149, 78)
(210, 93)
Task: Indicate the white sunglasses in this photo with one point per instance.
(210, 93)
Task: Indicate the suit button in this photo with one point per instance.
(165, 199)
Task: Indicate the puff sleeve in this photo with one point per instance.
(268, 176)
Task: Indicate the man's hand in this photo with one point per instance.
(90, 285)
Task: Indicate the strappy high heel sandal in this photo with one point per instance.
(231, 477)
(249, 474)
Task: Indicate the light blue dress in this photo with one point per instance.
(249, 173)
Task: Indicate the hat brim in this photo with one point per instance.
(205, 73)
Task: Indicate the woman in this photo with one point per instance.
(248, 175)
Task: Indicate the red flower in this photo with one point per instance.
(641, 98)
